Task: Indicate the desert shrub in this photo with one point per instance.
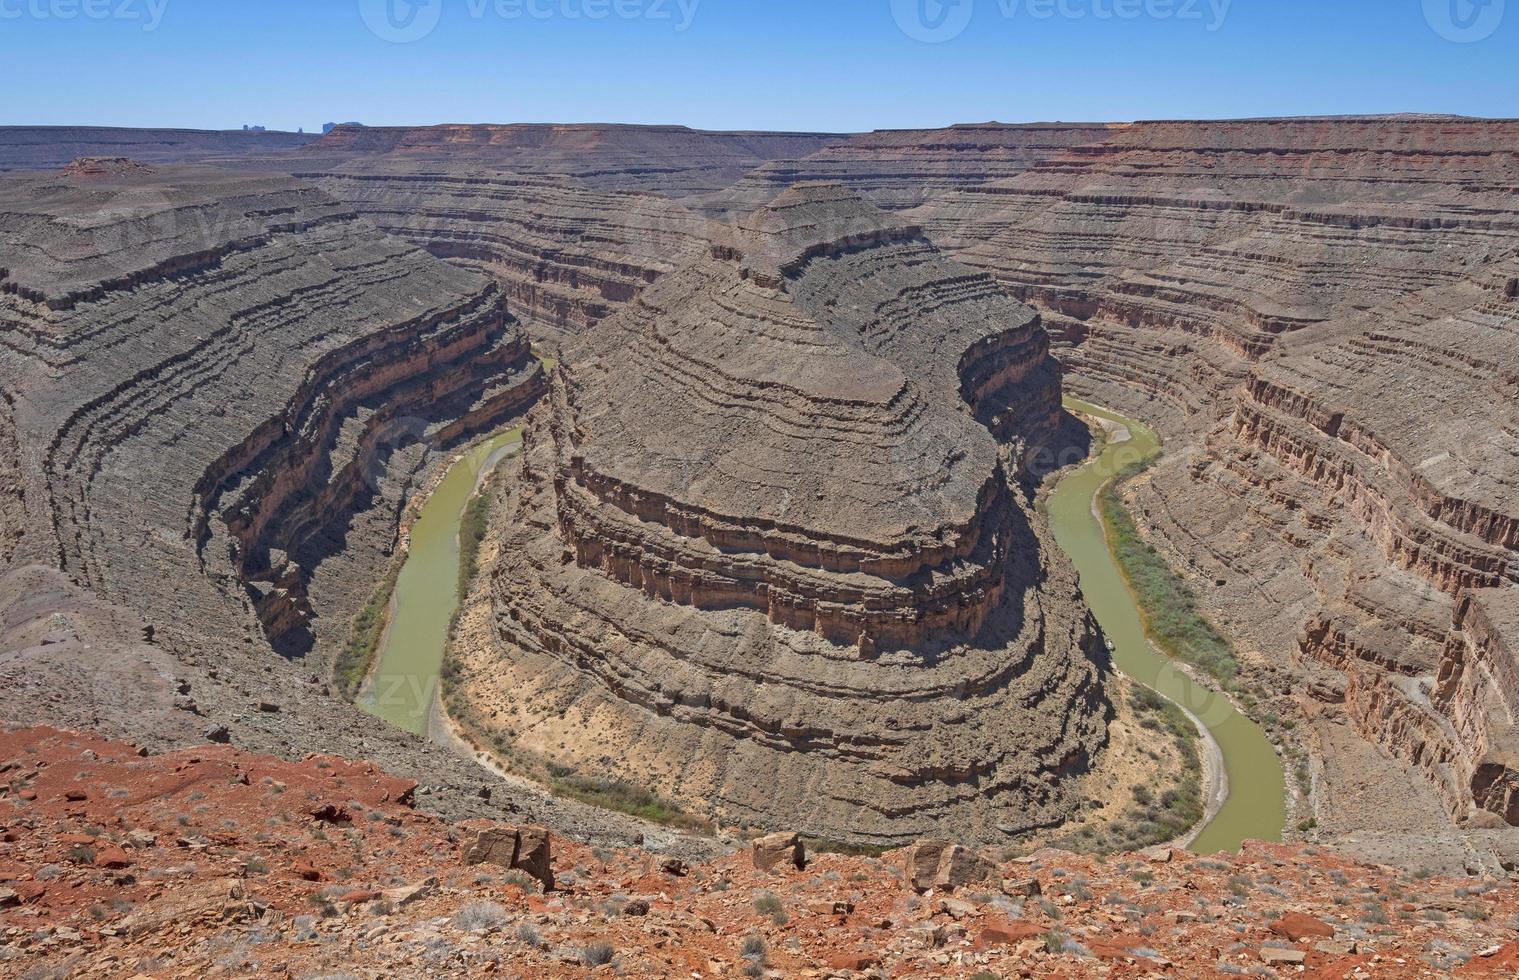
(479, 915)
(368, 626)
(597, 954)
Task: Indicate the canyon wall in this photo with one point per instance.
(220, 391)
(672, 160)
(767, 552)
(565, 254)
(1321, 316)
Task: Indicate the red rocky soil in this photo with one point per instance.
(217, 862)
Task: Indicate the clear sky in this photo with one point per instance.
(833, 65)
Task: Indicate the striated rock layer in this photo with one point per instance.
(901, 168)
(672, 160)
(767, 552)
(210, 369)
(51, 147)
(566, 254)
(1322, 315)
(217, 394)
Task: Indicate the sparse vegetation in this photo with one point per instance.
(1153, 818)
(472, 528)
(479, 915)
(1167, 603)
(353, 661)
(597, 954)
(612, 794)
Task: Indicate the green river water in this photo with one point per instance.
(1256, 805)
(411, 654)
(426, 595)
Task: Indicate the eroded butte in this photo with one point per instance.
(768, 550)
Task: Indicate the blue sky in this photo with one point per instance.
(835, 65)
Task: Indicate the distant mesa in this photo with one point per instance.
(105, 167)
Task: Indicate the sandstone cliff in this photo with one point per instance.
(1320, 315)
(768, 554)
(219, 393)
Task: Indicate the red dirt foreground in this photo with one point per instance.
(216, 862)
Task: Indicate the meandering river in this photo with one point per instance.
(400, 688)
(1255, 806)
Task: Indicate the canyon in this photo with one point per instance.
(231, 365)
(768, 552)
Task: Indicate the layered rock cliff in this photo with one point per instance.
(219, 393)
(902, 168)
(1320, 314)
(51, 147)
(565, 254)
(767, 552)
(672, 160)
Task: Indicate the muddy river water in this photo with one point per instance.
(400, 689)
(1254, 807)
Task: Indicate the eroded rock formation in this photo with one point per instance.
(768, 553)
(672, 160)
(566, 254)
(210, 369)
(219, 392)
(1321, 314)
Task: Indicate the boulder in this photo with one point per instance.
(853, 962)
(1278, 956)
(1021, 887)
(406, 894)
(112, 856)
(526, 849)
(1296, 926)
(774, 850)
(1005, 932)
(533, 855)
(941, 865)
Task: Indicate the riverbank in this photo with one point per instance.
(1246, 793)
